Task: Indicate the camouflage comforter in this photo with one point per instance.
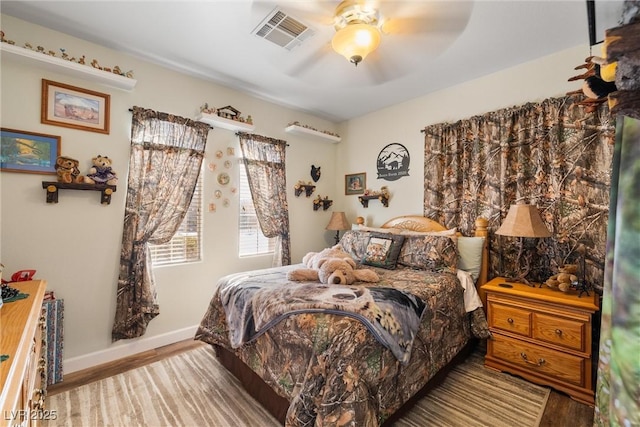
(332, 369)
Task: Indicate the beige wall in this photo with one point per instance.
(402, 123)
(75, 244)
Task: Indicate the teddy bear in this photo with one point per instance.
(312, 259)
(564, 279)
(331, 266)
(101, 172)
(67, 170)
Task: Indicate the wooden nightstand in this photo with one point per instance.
(542, 335)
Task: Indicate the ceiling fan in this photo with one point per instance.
(388, 37)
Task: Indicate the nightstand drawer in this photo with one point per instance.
(539, 360)
(556, 330)
(510, 319)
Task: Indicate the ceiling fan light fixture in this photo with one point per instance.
(355, 41)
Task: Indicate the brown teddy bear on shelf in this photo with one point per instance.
(331, 266)
(67, 170)
(101, 172)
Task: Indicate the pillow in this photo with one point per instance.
(354, 242)
(424, 252)
(382, 250)
(470, 255)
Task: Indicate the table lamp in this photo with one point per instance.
(338, 222)
(522, 221)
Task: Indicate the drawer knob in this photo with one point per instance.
(558, 332)
(539, 363)
(510, 320)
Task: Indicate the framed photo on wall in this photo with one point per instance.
(355, 183)
(74, 107)
(28, 152)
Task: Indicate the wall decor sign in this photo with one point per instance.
(393, 162)
(355, 183)
(74, 107)
(28, 152)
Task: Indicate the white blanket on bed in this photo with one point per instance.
(471, 298)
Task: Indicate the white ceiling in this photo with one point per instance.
(212, 39)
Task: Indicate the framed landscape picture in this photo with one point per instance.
(28, 152)
(74, 107)
(355, 183)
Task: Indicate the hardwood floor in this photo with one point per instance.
(561, 410)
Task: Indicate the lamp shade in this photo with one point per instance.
(523, 221)
(356, 41)
(338, 222)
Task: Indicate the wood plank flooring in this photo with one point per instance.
(560, 411)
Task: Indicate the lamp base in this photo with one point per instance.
(337, 237)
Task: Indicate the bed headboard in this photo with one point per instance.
(421, 223)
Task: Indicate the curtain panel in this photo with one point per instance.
(264, 160)
(552, 154)
(164, 165)
(618, 382)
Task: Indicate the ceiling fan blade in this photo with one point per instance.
(307, 61)
(428, 17)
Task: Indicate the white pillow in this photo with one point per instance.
(470, 255)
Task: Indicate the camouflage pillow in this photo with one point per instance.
(382, 250)
(436, 253)
(354, 242)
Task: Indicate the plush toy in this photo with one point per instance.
(67, 170)
(312, 259)
(331, 266)
(334, 271)
(564, 279)
(101, 172)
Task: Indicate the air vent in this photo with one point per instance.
(282, 29)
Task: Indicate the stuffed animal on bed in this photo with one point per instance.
(312, 259)
(331, 266)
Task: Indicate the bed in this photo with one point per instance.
(326, 364)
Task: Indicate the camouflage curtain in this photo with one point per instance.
(164, 164)
(551, 154)
(264, 160)
(618, 384)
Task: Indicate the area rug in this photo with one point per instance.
(193, 389)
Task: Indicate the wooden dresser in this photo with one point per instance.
(23, 375)
(542, 335)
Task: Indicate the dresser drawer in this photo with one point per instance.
(556, 330)
(509, 318)
(542, 361)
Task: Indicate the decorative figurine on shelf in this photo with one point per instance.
(101, 172)
(67, 170)
(315, 173)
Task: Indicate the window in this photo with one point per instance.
(251, 239)
(185, 246)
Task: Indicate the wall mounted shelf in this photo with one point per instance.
(52, 188)
(322, 203)
(312, 133)
(306, 188)
(87, 72)
(365, 200)
(221, 122)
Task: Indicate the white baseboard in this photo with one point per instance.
(127, 348)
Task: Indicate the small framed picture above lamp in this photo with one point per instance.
(74, 107)
(355, 183)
